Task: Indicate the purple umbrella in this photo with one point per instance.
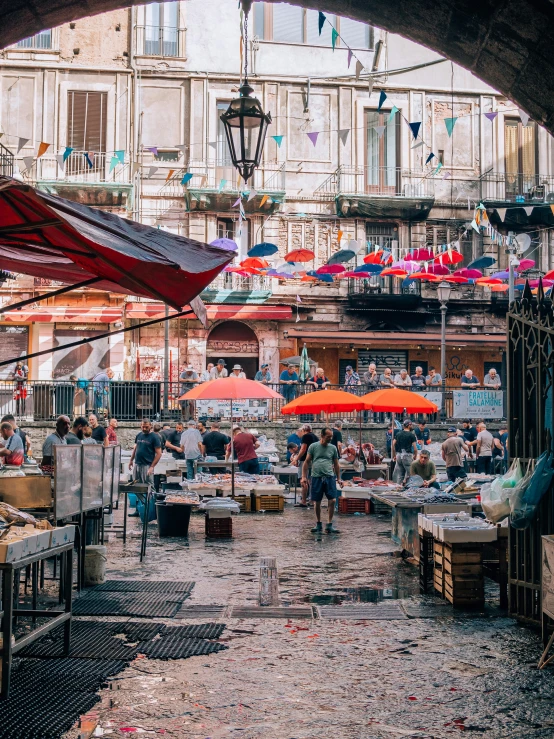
(502, 275)
(227, 244)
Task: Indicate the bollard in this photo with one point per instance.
(269, 582)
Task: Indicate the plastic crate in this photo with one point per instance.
(269, 503)
(219, 528)
(354, 505)
(244, 502)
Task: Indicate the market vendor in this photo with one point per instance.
(425, 468)
(423, 435)
(12, 452)
(58, 437)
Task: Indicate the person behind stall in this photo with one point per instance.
(296, 439)
(245, 446)
(219, 371)
(337, 436)
(469, 432)
(145, 456)
(23, 434)
(323, 461)
(263, 375)
(238, 372)
(98, 432)
(451, 452)
(404, 451)
(57, 437)
(307, 439)
(418, 380)
(75, 436)
(88, 437)
(292, 450)
(483, 449)
(12, 451)
(111, 432)
(425, 468)
(214, 444)
(423, 435)
(206, 375)
(173, 441)
(191, 446)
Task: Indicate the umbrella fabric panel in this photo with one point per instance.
(330, 401)
(231, 388)
(396, 401)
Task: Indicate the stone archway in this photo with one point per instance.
(507, 43)
(236, 343)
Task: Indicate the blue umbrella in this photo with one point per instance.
(227, 244)
(481, 263)
(373, 268)
(264, 249)
(342, 256)
(322, 278)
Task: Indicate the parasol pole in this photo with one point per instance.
(232, 452)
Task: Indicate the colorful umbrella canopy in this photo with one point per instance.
(254, 263)
(300, 255)
(355, 275)
(451, 257)
(265, 249)
(308, 278)
(526, 264)
(227, 244)
(330, 269)
(52, 238)
(279, 275)
(482, 263)
(499, 288)
(501, 275)
(325, 278)
(438, 269)
(340, 257)
(230, 388)
(419, 255)
(545, 282)
(393, 272)
(396, 401)
(456, 280)
(374, 269)
(407, 266)
(239, 271)
(329, 401)
(374, 257)
(471, 274)
(424, 276)
(487, 281)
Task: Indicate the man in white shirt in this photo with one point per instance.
(191, 447)
(492, 380)
(237, 372)
(219, 371)
(485, 444)
(206, 375)
(402, 379)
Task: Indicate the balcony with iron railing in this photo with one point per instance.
(160, 41)
(518, 187)
(383, 290)
(232, 286)
(6, 161)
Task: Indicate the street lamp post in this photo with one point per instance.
(443, 294)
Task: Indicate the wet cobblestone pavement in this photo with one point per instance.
(412, 676)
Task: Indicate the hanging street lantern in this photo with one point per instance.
(245, 121)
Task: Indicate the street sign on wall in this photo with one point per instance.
(478, 403)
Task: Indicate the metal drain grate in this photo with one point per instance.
(194, 631)
(271, 612)
(169, 647)
(199, 611)
(145, 586)
(129, 604)
(96, 643)
(366, 612)
(135, 630)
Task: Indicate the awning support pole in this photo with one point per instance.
(96, 338)
(52, 294)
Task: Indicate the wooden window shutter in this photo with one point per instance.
(86, 121)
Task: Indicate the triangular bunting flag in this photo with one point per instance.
(313, 137)
(475, 226)
(213, 144)
(343, 135)
(418, 145)
(151, 171)
(28, 162)
(114, 161)
(529, 209)
(120, 154)
(393, 112)
(431, 156)
(359, 69)
(438, 169)
(67, 152)
(334, 37)
(349, 57)
(524, 117)
(153, 149)
(187, 177)
(221, 185)
(450, 123)
(61, 161)
(379, 130)
(251, 195)
(491, 116)
(382, 98)
(414, 127)
(264, 200)
(278, 139)
(339, 237)
(170, 175)
(42, 149)
(89, 158)
(237, 202)
(21, 143)
(135, 167)
(321, 21)
(446, 176)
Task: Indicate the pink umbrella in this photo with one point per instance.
(545, 283)
(438, 269)
(406, 265)
(331, 269)
(419, 255)
(526, 264)
(355, 275)
(471, 274)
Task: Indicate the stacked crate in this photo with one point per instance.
(458, 573)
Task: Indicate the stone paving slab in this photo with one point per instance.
(364, 612)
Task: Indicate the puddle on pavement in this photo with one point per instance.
(332, 596)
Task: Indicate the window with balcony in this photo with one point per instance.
(161, 29)
(382, 170)
(293, 25)
(521, 157)
(42, 40)
(86, 131)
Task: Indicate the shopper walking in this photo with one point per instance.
(404, 452)
(451, 452)
(308, 438)
(484, 447)
(191, 446)
(323, 461)
(111, 432)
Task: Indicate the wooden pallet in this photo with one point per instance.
(269, 503)
(245, 503)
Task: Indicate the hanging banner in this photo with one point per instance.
(246, 409)
(434, 397)
(478, 403)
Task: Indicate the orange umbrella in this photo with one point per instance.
(456, 279)
(330, 401)
(499, 288)
(397, 401)
(488, 281)
(300, 255)
(308, 278)
(424, 276)
(373, 258)
(254, 263)
(230, 388)
(394, 272)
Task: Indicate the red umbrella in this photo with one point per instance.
(488, 281)
(419, 255)
(456, 279)
(300, 255)
(438, 269)
(424, 276)
(452, 257)
(254, 263)
(331, 269)
(393, 272)
(46, 236)
(374, 257)
(471, 274)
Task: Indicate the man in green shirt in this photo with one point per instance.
(323, 458)
(426, 470)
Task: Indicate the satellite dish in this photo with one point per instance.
(523, 242)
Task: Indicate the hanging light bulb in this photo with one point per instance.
(244, 120)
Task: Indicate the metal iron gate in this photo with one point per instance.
(530, 324)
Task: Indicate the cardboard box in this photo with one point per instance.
(11, 550)
(62, 535)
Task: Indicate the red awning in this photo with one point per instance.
(395, 338)
(217, 312)
(46, 236)
(64, 314)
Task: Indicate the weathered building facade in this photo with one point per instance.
(136, 96)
